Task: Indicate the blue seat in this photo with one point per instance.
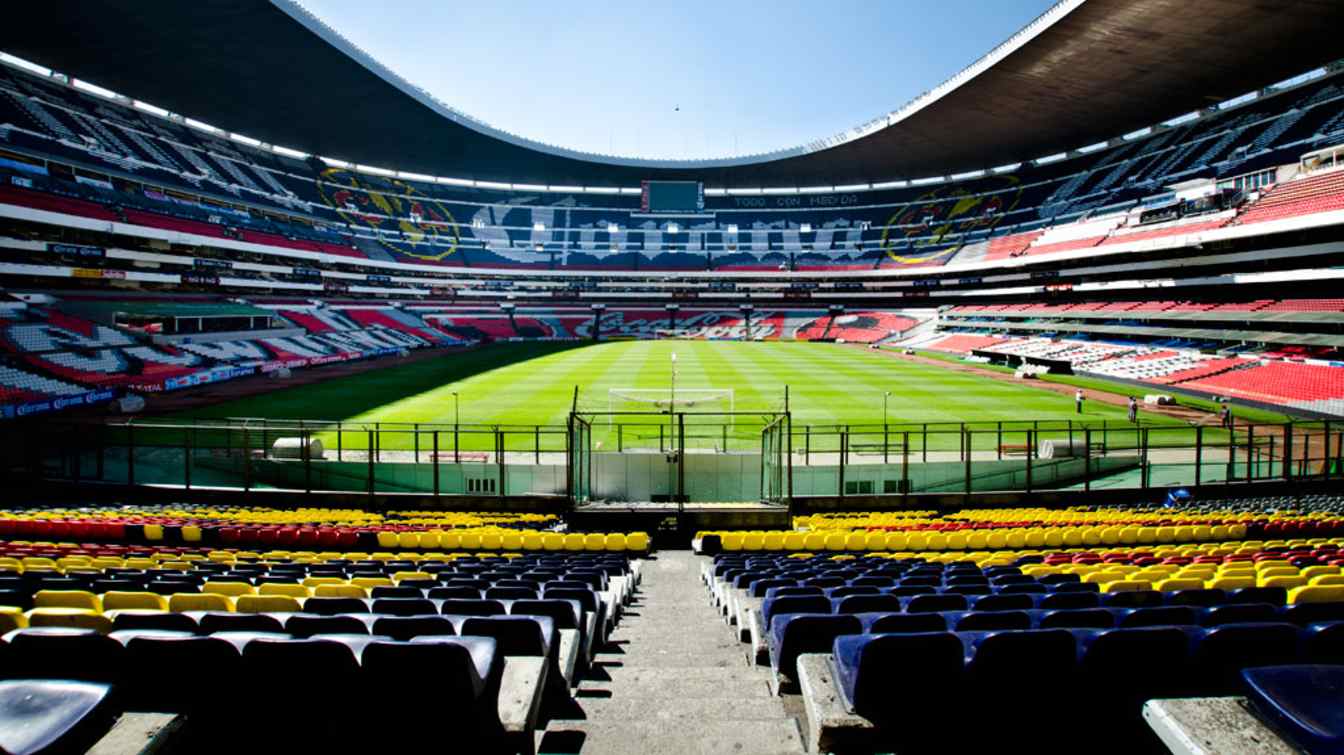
(1303, 614)
(1074, 618)
(1276, 596)
(792, 634)
(1157, 616)
(1238, 613)
(793, 604)
(1073, 587)
(901, 682)
(937, 603)
(464, 607)
(304, 625)
(1303, 702)
(179, 672)
(788, 592)
(981, 621)
(1203, 598)
(565, 614)
(760, 586)
(866, 604)
(60, 653)
(227, 621)
(457, 592)
(514, 635)
(46, 717)
(1224, 651)
(1324, 642)
(845, 591)
(333, 606)
(403, 606)
(1022, 672)
(902, 623)
(1122, 669)
(1136, 599)
(463, 669)
(1058, 600)
(1003, 602)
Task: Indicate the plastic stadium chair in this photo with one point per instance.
(43, 717)
(402, 628)
(792, 634)
(1302, 702)
(869, 668)
(1224, 651)
(180, 672)
(54, 653)
(902, 623)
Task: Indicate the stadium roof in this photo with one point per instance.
(1082, 73)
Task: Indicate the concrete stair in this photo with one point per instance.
(673, 679)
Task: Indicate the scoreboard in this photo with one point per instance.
(672, 196)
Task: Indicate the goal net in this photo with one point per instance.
(664, 399)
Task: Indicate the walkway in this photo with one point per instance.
(673, 681)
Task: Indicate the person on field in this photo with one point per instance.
(1227, 416)
(1133, 409)
(1078, 401)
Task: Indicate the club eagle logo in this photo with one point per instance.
(425, 229)
(939, 220)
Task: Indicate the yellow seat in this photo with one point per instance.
(531, 541)
(956, 541)
(732, 541)
(1230, 583)
(67, 599)
(596, 541)
(471, 540)
(1286, 582)
(232, 589)
(794, 541)
(153, 532)
(815, 541)
(388, 539)
(451, 540)
(267, 604)
(637, 541)
(125, 599)
(513, 541)
(773, 541)
(191, 533)
(340, 591)
(916, 540)
(179, 602)
(74, 618)
(369, 583)
(11, 618)
(1177, 583)
(553, 541)
(1311, 572)
(896, 541)
(1103, 577)
(492, 541)
(408, 576)
(1279, 571)
(835, 541)
(1317, 594)
(315, 581)
(856, 541)
(1127, 585)
(1327, 580)
(292, 589)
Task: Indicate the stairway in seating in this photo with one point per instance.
(674, 680)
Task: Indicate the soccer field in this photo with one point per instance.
(527, 384)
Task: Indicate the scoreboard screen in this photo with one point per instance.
(673, 196)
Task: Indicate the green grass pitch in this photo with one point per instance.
(527, 384)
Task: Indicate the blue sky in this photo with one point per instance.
(609, 77)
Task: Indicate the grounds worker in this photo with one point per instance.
(1133, 410)
(1078, 400)
(1227, 416)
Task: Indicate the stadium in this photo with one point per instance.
(334, 419)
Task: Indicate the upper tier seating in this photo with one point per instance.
(1319, 193)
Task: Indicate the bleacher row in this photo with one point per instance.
(889, 646)
(333, 212)
(52, 354)
(484, 642)
(1314, 384)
